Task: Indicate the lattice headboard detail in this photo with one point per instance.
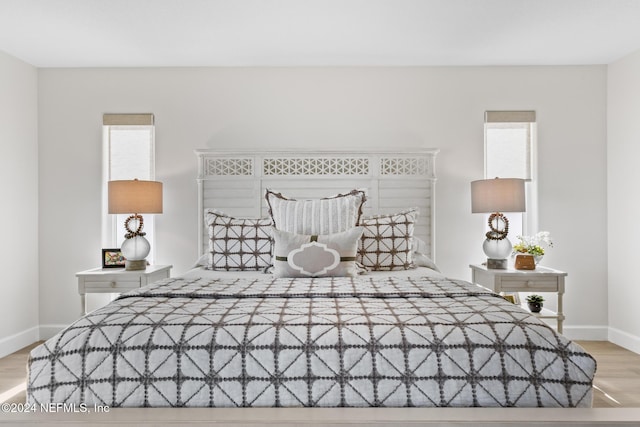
(235, 182)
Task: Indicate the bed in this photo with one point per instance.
(403, 335)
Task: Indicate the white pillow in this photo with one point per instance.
(301, 255)
(387, 241)
(420, 259)
(314, 217)
(238, 244)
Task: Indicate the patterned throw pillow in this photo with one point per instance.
(238, 243)
(319, 216)
(301, 255)
(386, 243)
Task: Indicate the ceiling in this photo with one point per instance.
(158, 33)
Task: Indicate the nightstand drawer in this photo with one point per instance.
(549, 284)
(112, 284)
(117, 280)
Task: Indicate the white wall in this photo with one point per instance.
(333, 108)
(19, 212)
(623, 152)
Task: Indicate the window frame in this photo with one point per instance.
(110, 222)
(529, 219)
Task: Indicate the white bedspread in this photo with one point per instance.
(258, 341)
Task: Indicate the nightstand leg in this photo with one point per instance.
(560, 312)
(83, 306)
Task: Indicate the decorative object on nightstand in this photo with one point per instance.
(136, 197)
(512, 298)
(532, 246)
(524, 262)
(112, 258)
(535, 303)
(540, 280)
(496, 196)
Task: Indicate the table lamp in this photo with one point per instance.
(135, 197)
(496, 196)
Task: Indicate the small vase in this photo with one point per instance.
(535, 307)
(538, 258)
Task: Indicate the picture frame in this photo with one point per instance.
(513, 298)
(112, 258)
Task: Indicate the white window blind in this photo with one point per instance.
(510, 142)
(128, 153)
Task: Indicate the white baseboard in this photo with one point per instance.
(586, 333)
(624, 339)
(47, 331)
(15, 342)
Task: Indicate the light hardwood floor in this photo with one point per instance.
(617, 382)
(13, 374)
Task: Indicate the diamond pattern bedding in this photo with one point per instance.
(328, 342)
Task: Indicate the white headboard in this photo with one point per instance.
(235, 182)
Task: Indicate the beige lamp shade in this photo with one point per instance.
(498, 195)
(134, 196)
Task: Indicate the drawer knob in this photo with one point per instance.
(112, 284)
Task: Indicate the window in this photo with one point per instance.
(509, 138)
(128, 153)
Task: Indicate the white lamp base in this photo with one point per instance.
(135, 250)
(497, 252)
(135, 264)
(496, 264)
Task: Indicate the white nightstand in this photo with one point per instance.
(116, 280)
(542, 279)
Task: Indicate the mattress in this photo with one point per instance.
(410, 340)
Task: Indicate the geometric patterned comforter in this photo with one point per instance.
(363, 341)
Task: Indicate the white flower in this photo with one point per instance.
(543, 237)
(533, 244)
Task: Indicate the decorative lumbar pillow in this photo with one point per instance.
(387, 241)
(238, 243)
(314, 217)
(303, 255)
